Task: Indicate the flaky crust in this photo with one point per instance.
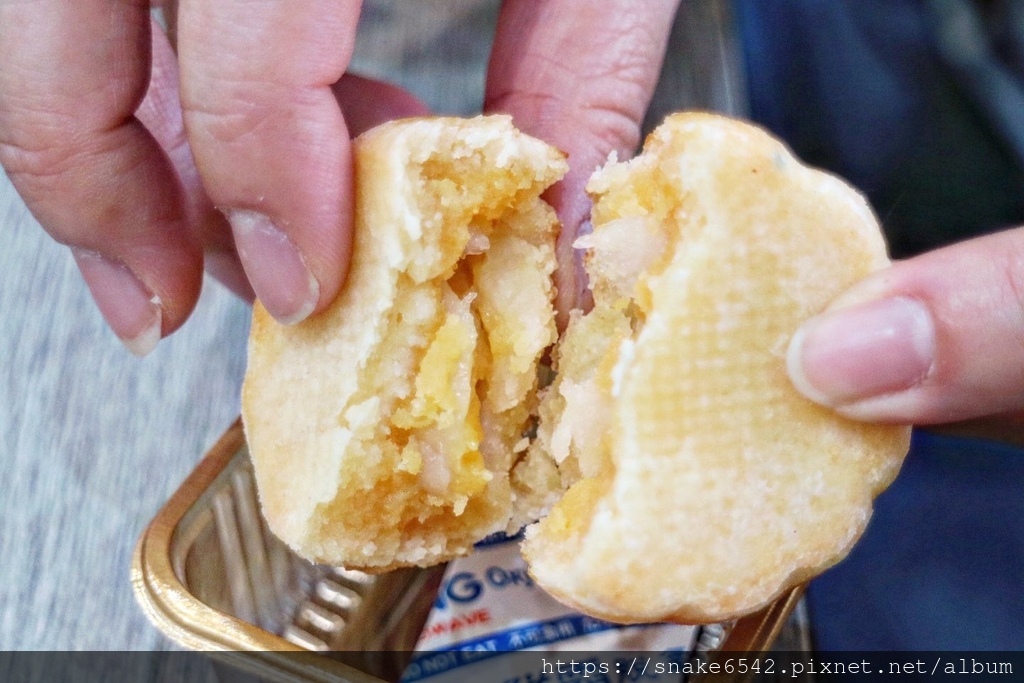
(711, 485)
(382, 430)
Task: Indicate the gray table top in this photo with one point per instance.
(95, 440)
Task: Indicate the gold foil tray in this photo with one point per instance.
(211, 576)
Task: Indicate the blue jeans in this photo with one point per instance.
(873, 91)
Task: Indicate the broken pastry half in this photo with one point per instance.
(682, 477)
(702, 485)
(384, 429)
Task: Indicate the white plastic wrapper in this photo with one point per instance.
(488, 607)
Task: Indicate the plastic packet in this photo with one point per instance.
(488, 609)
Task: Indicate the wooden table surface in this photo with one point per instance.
(95, 440)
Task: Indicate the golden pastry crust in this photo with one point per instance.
(382, 429)
(390, 429)
(708, 485)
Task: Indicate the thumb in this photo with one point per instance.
(937, 338)
(579, 75)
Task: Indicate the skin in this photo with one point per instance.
(234, 152)
(965, 357)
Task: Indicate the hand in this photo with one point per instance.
(934, 339)
(580, 75)
(116, 162)
(92, 134)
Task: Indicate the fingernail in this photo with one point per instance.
(276, 269)
(131, 310)
(863, 351)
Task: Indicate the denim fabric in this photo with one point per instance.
(864, 88)
(941, 565)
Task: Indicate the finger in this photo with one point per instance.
(160, 113)
(73, 74)
(580, 75)
(933, 339)
(367, 103)
(269, 139)
(169, 12)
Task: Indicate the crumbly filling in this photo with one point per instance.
(476, 303)
(636, 225)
